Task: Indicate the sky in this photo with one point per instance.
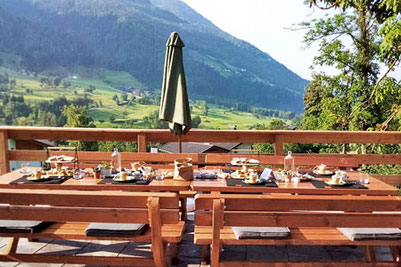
(266, 24)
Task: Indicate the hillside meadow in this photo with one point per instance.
(104, 107)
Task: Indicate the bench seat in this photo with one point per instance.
(299, 236)
(76, 230)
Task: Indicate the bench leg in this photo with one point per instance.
(214, 255)
(370, 254)
(174, 253)
(396, 252)
(205, 255)
(160, 255)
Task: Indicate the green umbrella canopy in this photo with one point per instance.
(174, 103)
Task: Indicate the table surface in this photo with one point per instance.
(375, 187)
(90, 183)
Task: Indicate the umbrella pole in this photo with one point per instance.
(179, 144)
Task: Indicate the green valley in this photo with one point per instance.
(128, 110)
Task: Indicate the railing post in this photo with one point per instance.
(4, 161)
(278, 145)
(141, 142)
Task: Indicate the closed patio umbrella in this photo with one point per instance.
(174, 103)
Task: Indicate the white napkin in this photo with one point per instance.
(266, 174)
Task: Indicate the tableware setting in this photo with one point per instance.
(322, 170)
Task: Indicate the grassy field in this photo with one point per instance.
(105, 81)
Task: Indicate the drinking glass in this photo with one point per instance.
(364, 178)
(25, 168)
(159, 175)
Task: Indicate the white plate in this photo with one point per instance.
(117, 178)
(247, 181)
(237, 176)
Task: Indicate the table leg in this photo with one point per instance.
(183, 209)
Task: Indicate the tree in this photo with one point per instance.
(357, 97)
(56, 81)
(125, 97)
(66, 84)
(77, 116)
(196, 121)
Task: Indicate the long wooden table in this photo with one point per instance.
(90, 183)
(375, 187)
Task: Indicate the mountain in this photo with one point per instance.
(130, 35)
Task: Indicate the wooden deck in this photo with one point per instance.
(189, 254)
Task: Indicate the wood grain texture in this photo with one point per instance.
(301, 202)
(313, 221)
(110, 199)
(4, 160)
(155, 223)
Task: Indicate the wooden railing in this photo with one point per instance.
(142, 137)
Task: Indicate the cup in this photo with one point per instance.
(253, 177)
(159, 175)
(123, 175)
(37, 175)
(320, 169)
(137, 165)
(336, 179)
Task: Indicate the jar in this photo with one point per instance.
(116, 160)
(289, 163)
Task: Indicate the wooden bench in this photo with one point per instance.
(73, 210)
(306, 217)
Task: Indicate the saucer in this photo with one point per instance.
(328, 173)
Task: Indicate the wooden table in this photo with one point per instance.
(90, 183)
(375, 187)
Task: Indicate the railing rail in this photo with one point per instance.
(143, 136)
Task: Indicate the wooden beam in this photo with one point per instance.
(279, 145)
(4, 160)
(196, 135)
(141, 142)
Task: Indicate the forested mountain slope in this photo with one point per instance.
(130, 35)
